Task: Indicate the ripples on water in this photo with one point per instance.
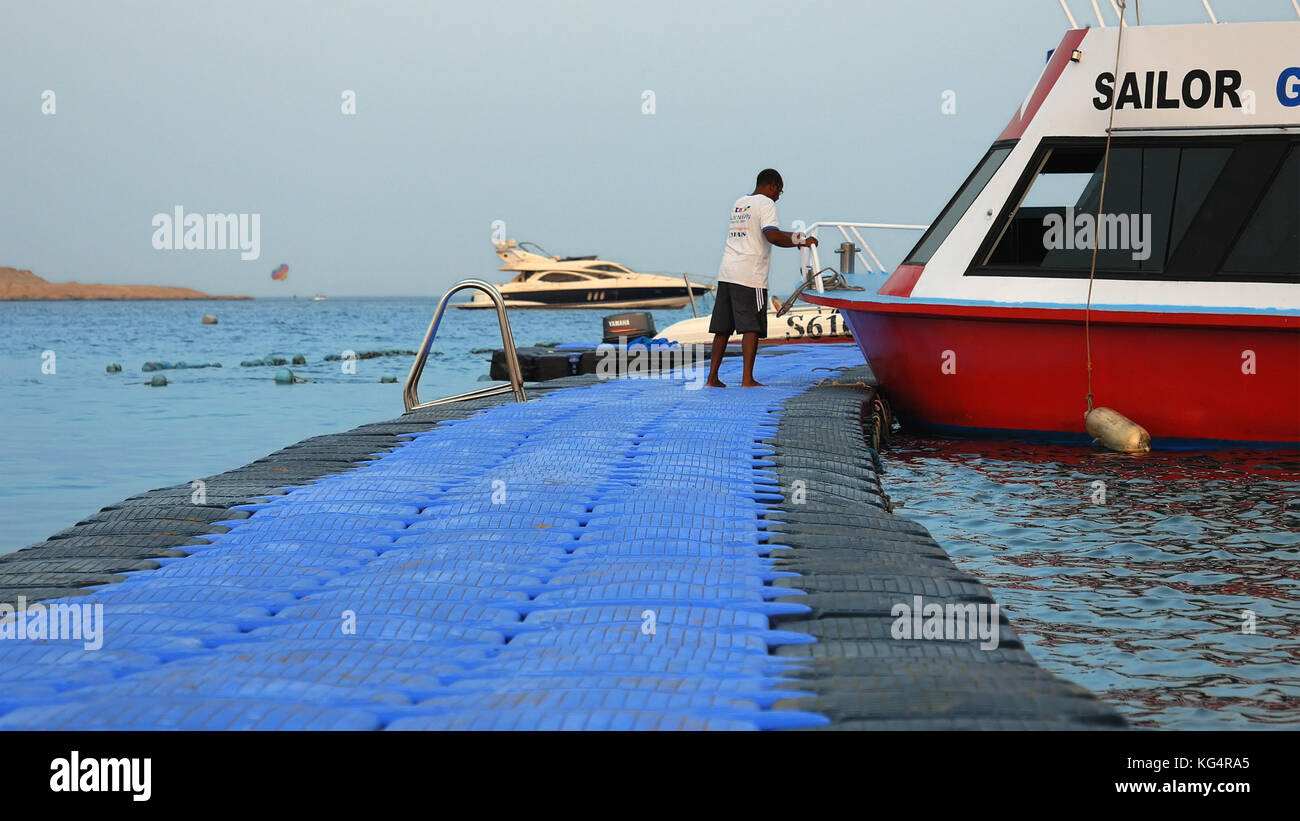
(1139, 599)
(80, 438)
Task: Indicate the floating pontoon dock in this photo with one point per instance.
(625, 554)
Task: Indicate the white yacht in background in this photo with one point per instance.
(546, 281)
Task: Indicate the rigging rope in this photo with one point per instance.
(1101, 202)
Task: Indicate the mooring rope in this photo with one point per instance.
(1101, 203)
(832, 382)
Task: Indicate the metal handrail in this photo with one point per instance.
(410, 393)
(845, 228)
(834, 279)
(524, 246)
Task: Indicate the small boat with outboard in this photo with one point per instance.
(544, 280)
(802, 323)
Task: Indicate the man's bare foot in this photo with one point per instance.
(714, 383)
(752, 384)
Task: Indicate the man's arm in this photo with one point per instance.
(786, 239)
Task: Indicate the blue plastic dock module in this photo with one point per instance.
(594, 559)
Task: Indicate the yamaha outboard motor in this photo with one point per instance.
(627, 326)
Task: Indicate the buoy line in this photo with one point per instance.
(1108, 426)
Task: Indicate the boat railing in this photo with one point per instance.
(1101, 20)
(810, 261)
(535, 249)
(410, 393)
(1136, 18)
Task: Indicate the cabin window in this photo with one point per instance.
(1175, 209)
(1056, 225)
(1198, 168)
(1270, 242)
(957, 206)
(560, 276)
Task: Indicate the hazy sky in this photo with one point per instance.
(466, 113)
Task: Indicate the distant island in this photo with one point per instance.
(16, 284)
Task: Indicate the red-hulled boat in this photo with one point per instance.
(1194, 312)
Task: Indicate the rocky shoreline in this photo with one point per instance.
(18, 284)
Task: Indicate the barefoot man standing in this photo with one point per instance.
(741, 305)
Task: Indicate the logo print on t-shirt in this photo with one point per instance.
(739, 223)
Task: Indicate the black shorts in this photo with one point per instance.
(739, 309)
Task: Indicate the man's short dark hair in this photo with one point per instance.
(769, 176)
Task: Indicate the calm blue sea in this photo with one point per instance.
(1139, 594)
(80, 438)
(1140, 598)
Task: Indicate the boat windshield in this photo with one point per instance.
(957, 206)
(1184, 208)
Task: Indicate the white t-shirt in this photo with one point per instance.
(746, 258)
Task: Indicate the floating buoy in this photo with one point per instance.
(1116, 431)
(388, 378)
(284, 376)
(333, 357)
(114, 368)
(299, 359)
(169, 366)
(158, 381)
(209, 319)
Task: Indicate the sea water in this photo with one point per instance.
(1137, 578)
(76, 438)
(1168, 584)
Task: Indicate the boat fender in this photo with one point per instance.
(1116, 431)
